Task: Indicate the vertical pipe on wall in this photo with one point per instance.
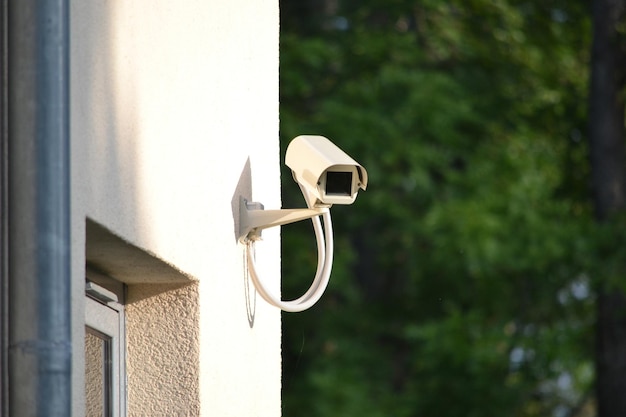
(39, 208)
(4, 217)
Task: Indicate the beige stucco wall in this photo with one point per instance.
(163, 380)
(174, 116)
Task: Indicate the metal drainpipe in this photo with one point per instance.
(4, 218)
(39, 209)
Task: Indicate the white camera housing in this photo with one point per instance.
(328, 174)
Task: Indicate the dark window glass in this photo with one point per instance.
(339, 183)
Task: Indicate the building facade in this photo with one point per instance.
(173, 118)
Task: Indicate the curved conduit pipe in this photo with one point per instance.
(325, 248)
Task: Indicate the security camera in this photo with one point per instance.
(328, 174)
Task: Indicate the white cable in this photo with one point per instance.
(322, 276)
(321, 259)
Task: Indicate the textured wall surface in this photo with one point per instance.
(162, 324)
(174, 117)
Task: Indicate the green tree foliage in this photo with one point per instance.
(463, 276)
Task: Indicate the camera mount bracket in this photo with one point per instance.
(253, 218)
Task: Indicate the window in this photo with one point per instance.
(104, 352)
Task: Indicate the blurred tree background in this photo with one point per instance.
(466, 277)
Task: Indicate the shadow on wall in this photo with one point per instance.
(162, 316)
(104, 118)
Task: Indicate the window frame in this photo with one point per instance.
(107, 318)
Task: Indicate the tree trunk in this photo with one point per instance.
(608, 162)
(607, 108)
